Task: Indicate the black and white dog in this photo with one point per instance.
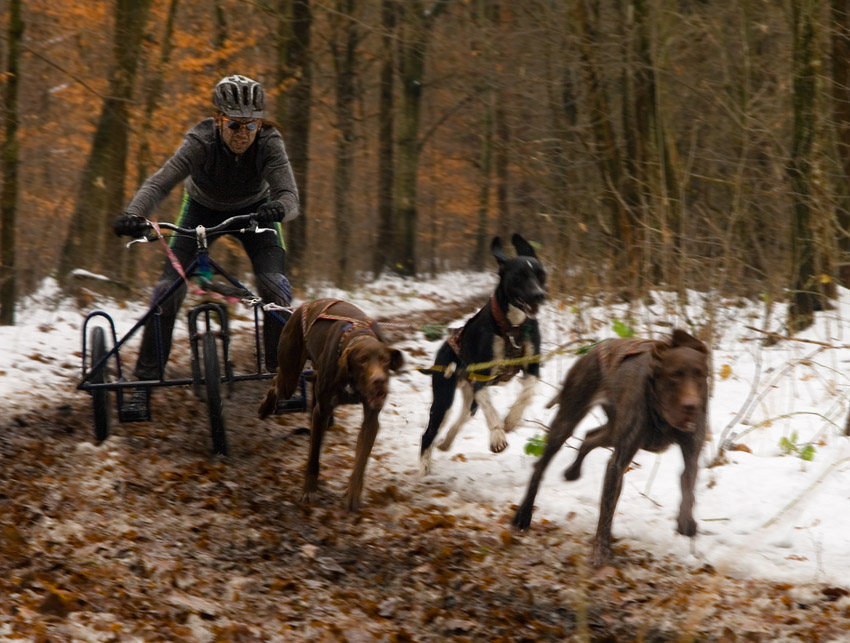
(505, 328)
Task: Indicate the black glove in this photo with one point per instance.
(270, 213)
(130, 225)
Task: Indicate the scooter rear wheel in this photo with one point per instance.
(212, 379)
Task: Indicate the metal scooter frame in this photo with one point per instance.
(206, 312)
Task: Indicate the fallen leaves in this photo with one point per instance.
(143, 539)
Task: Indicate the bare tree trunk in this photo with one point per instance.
(621, 233)
(500, 165)
(90, 243)
(153, 82)
(220, 32)
(803, 296)
(153, 93)
(11, 161)
(639, 123)
(479, 257)
(343, 52)
(386, 126)
(294, 26)
(411, 61)
(413, 48)
(650, 187)
(841, 113)
(562, 114)
(489, 12)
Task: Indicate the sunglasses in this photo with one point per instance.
(236, 125)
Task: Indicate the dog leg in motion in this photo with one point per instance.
(686, 525)
(498, 440)
(611, 489)
(523, 400)
(444, 395)
(321, 421)
(465, 414)
(291, 357)
(558, 434)
(365, 441)
(268, 405)
(598, 437)
(574, 403)
(425, 458)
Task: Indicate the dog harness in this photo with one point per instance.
(613, 351)
(513, 334)
(354, 331)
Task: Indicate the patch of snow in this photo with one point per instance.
(765, 513)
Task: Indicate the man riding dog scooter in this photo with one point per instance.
(232, 163)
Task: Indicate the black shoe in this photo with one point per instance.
(295, 404)
(136, 406)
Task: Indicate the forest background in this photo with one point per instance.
(677, 144)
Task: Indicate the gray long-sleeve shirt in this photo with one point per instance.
(217, 178)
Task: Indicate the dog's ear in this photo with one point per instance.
(656, 357)
(523, 248)
(678, 339)
(498, 251)
(396, 360)
(683, 338)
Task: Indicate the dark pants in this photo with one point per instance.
(268, 259)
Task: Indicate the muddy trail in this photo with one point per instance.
(147, 537)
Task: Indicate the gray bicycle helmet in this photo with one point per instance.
(240, 97)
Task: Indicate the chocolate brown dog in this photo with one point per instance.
(654, 393)
(351, 361)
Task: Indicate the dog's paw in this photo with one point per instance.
(352, 505)
(498, 441)
(425, 462)
(687, 526)
(572, 473)
(308, 497)
(445, 444)
(522, 520)
(266, 408)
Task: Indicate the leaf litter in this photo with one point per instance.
(148, 538)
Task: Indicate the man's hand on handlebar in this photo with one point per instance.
(136, 226)
(130, 225)
(270, 213)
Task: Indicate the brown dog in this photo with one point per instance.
(351, 361)
(654, 393)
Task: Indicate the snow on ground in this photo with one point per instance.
(765, 513)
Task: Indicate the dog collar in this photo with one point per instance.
(346, 346)
(509, 331)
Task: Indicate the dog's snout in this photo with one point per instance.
(690, 401)
(690, 407)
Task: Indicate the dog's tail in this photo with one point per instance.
(291, 357)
